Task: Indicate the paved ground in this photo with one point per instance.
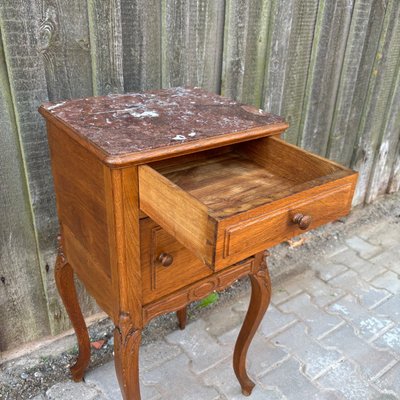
(332, 332)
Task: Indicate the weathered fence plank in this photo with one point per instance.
(106, 46)
(377, 101)
(65, 46)
(141, 39)
(394, 182)
(300, 46)
(277, 59)
(192, 43)
(361, 48)
(23, 307)
(329, 44)
(385, 154)
(246, 27)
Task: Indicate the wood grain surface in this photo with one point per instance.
(329, 67)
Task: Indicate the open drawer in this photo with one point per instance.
(230, 203)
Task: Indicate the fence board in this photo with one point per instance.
(245, 44)
(65, 46)
(23, 306)
(277, 62)
(330, 36)
(141, 39)
(192, 42)
(361, 46)
(379, 93)
(385, 154)
(106, 46)
(394, 182)
(300, 46)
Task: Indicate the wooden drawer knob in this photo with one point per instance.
(165, 259)
(303, 221)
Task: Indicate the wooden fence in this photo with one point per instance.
(331, 67)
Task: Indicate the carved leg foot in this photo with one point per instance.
(182, 317)
(127, 340)
(64, 276)
(259, 301)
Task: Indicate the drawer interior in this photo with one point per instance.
(239, 178)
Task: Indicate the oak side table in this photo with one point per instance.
(166, 196)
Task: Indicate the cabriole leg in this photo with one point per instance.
(259, 301)
(127, 340)
(64, 276)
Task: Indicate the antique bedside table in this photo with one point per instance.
(164, 197)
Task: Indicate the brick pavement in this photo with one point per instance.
(332, 332)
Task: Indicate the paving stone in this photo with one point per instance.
(154, 354)
(371, 231)
(72, 391)
(203, 349)
(366, 269)
(390, 309)
(321, 293)
(390, 340)
(382, 235)
(367, 295)
(312, 354)
(388, 259)
(362, 247)
(174, 379)
(283, 292)
(223, 319)
(275, 321)
(262, 353)
(333, 249)
(289, 380)
(241, 305)
(390, 381)
(326, 270)
(367, 323)
(224, 380)
(345, 379)
(105, 379)
(389, 281)
(316, 319)
(370, 360)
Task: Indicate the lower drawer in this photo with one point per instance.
(181, 267)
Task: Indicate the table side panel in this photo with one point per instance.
(81, 204)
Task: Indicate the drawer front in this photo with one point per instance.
(160, 280)
(266, 230)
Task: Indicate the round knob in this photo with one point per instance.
(165, 259)
(303, 221)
